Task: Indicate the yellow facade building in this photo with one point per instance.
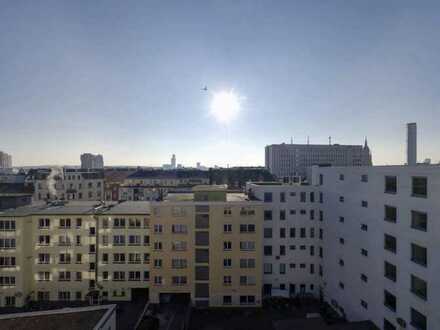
(203, 247)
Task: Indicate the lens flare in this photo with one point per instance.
(225, 106)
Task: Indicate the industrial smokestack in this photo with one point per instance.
(411, 144)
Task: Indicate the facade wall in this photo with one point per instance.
(205, 278)
(364, 228)
(294, 226)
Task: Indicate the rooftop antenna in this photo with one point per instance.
(329, 140)
(291, 140)
(308, 140)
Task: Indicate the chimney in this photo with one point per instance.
(411, 144)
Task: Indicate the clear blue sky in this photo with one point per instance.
(123, 78)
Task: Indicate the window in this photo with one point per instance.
(227, 300)
(118, 276)
(292, 212)
(390, 271)
(418, 320)
(282, 214)
(282, 250)
(267, 268)
(341, 177)
(134, 240)
(7, 243)
(390, 213)
(419, 287)
(247, 263)
(390, 300)
(247, 300)
(341, 241)
(341, 285)
(6, 281)
(390, 184)
(292, 232)
(227, 246)
(267, 232)
(227, 211)
(247, 246)
(390, 243)
(227, 263)
(268, 250)
(364, 204)
(282, 232)
(419, 255)
(364, 178)
(341, 219)
(267, 215)
(64, 276)
(78, 223)
(268, 197)
(157, 246)
(341, 263)
(282, 197)
(118, 240)
(247, 280)
(158, 229)
(7, 225)
(364, 227)
(303, 197)
(364, 252)
(312, 197)
(302, 233)
(7, 262)
(364, 278)
(419, 220)
(341, 199)
(43, 223)
(419, 186)
(65, 223)
(227, 228)
(282, 268)
(247, 228)
(179, 229)
(178, 280)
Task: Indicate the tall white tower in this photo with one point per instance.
(411, 144)
(173, 161)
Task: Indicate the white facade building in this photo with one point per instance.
(291, 238)
(379, 238)
(69, 184)
(91, 161)
(5, 160)
(288, 161)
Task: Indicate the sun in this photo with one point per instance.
(225, 106)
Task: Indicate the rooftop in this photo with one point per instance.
(81, 318)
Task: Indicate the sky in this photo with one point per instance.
(124, 78)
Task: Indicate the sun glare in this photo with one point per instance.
(225, 106)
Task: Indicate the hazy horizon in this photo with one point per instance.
(125, 79)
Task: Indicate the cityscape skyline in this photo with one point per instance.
(118, 81)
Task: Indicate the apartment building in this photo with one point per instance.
(68, 184)
(205, 247)
(292, 237)
(290, 161)
(5, 160)
(375, 241)
(183, 178)
(91, 161)
(381, 221)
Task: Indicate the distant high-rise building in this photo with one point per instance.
(292, 160)
(173, 161)
(91, 161)
(411, 143)
(5, 160)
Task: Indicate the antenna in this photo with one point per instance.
(291, 140)
(329, 140)
(308, 140)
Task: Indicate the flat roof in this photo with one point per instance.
(82, 318)
(129, 207)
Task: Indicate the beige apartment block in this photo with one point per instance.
(204, 247)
